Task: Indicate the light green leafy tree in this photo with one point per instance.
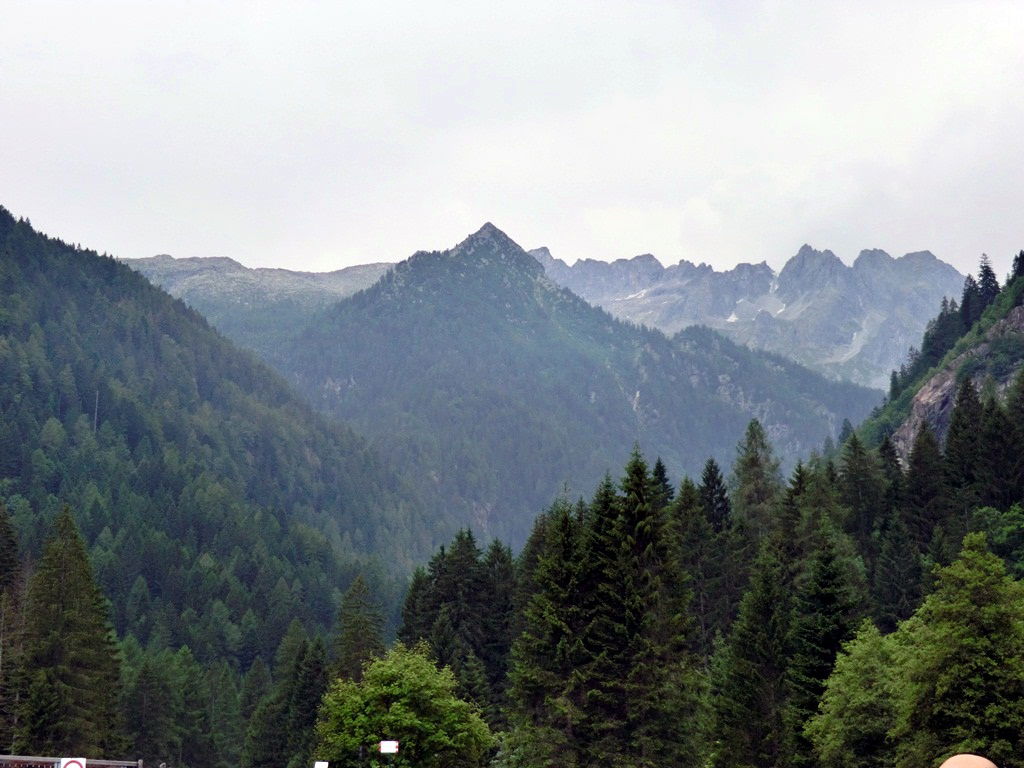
(403, 696)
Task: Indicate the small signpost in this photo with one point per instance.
(389, 747)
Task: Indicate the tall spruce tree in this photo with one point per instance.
(755, 481)
(499, 567)
(1015, 415)
(998, 451)
(71, 656)
(970, 303)
(988, 283)
(896, 586)
(714, 496)
(926, 502)
(749, 691)
(359, 635)
(962, 455)
(824, 617)
(547, 700)
(862, 490)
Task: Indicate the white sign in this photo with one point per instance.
(389, 747)
(320, 764)
(72, 762)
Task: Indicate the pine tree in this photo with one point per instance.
(749, 691)
(497, 627)
(70, 641)
(755, 482)
(824, 617)
(415, 623)
(1015, 415)
(307, 689)
(714, 497)
(892, 471)
(359, 636)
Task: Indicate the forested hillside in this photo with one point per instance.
(981, 338)
(495, 387)
(216, 507)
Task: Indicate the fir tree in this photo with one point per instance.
(359, 637)
(1018, 267)
(998, 451)
(963, 452)
(749, 691)
(862, 490)
(699, 555)
(1015, 415)
(896, 585)
(663, 491)
(714, 497)
(306, 690)
(970, 303)
(547, 701)
(892, 471)
(988, 283)
(498, 610)
(824, 617)
(926, 503)
(71, 656)
(415, 623)
(755, 481)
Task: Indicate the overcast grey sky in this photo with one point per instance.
(318, 135)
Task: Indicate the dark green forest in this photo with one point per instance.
(196, 569)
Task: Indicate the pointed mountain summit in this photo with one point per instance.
(478, 374)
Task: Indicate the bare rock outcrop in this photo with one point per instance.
(934, 402)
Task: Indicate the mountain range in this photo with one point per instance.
(853, 323)
(496, 389)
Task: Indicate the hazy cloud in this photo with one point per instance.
(315, 135)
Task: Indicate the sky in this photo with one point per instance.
(314, 136)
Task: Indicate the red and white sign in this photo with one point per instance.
(72, 762)
(389, 747)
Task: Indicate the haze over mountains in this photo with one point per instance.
(479, 375)
(849, 322)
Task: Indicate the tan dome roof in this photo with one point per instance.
(968, 761)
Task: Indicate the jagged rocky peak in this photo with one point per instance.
(809, 269)
(872, 258)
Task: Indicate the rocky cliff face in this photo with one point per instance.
(850, 322)
(992, 363)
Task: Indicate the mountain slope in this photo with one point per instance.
(257, 308)
(991, 354)
(494, 386)
(853, 323)
(216, 504)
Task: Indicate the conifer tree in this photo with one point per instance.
(988, 283)
(998, 451)
(498, 609)
(1015, 414)
(892, 472)
(1018, 266)
(359, 635)
(306, 690)
(755, 481)
(547, 700)
(663, 491)
(896, 586)
(699, 554)
(415, 623)
(71, 656)
(926, 503)
(749, 691)
(824, 617)
(862, 491)
(970, 303)
(963, 453)
(714, 496)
